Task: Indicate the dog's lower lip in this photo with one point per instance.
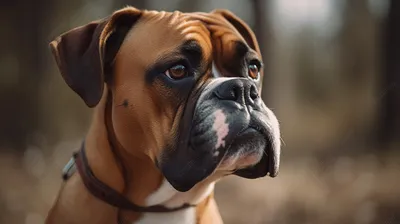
(248, 130)
(267, 151)
(239, 134)
(272, 171)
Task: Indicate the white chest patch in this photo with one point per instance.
(169, 197)
(186, 216)
(220, 127)
(162, 194)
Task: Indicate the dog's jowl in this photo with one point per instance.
(177, 106)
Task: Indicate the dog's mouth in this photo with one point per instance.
(246, 154)
(245, 151)
(254, 154)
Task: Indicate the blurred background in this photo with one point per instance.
(332, 78)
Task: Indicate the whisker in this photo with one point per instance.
(283, 142)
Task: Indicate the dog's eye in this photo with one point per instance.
(177, 72)
(254, 71)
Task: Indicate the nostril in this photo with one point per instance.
(229, 91)
(235, 93)
(253, 92)
(224, 94)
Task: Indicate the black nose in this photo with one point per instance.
(242, 91)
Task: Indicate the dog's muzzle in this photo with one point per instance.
(230, 129)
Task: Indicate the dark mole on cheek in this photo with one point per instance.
(124, 103)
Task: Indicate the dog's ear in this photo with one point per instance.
(244, 30)
(85, 54)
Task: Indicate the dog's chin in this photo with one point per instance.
(246, 156)
(245, 152)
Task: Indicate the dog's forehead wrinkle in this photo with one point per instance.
(177, 21)
(215, 70)
(169, 32)
(192, 25)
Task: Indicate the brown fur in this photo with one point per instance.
(133, 121)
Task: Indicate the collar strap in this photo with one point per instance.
(105, 193)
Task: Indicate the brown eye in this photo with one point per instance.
(177, 72)
(254, 72)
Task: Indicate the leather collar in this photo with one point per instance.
(105, 193)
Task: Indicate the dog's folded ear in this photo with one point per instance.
(84, 55)
(244, 30)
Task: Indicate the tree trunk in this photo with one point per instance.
(262, 31)
(260, 25)
(389, 128)
(19, 116)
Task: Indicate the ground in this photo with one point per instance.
(357, 189)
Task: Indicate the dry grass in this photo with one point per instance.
(363, 189)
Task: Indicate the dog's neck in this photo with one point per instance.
(136, 177)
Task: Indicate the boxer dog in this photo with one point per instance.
(177, 106)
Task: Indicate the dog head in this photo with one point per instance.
(185, 90)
